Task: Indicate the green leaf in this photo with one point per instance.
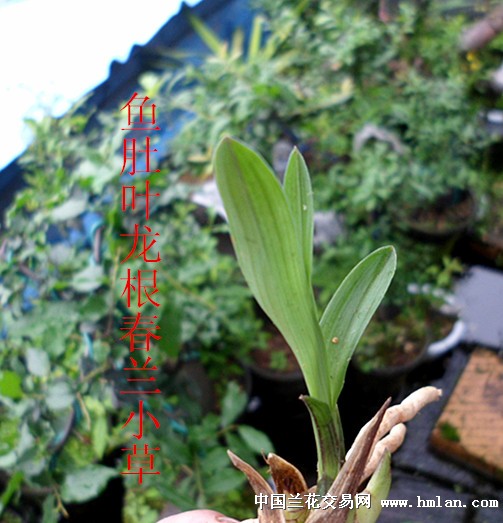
(449, 432)
(53, 339)
(235, 443)
(88, 279)
(86, 483)
(93, 308)
(99, 435)
(350, 310)
(33, 463)
(10, 385)
(37, 362)
(299, 194)
(233, 404)
(59, 396)
(270, 255)
(255, 37)
(170, 325)
(70, 209)
(237, 42)
(215, 460)
(225, 481)
(209, 37)
(329, 442)
(13, 485)
(378, 487)
(50, 512)
(255, 439)
(9, 434)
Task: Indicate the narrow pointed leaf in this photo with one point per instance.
(350, 310)
(378, 487)
(209, 37)
(237, 42)
(270, 256)
(329, 442)
(255, 38)
(299, 194)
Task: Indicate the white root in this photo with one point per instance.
(394, 417)
(390, 443)
(390, 436)
(409, 407)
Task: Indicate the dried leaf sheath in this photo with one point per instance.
(259, 486)
(348, 479)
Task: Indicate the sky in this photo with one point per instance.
(52, 52)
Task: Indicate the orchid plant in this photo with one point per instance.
(272, 230)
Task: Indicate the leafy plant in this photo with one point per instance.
(279, 223)
(196, 469)
(384, 178)
(449, 432)
(411, 130)
(260, 91)
(60, 414)
(491, 229)
(408, 317)
(398, 338)
(272, 229)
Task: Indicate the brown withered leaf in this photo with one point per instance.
(289, 481)
(259, 486)
(287, 478)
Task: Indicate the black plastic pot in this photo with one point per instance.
(409, 219)
(365, 392)
(276, 409)
(482, 250)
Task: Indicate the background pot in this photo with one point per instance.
(275, 407)
(447, 217)
(366, 390)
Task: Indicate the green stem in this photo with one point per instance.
(199, 483)
(329, 441)
(96, 372)
(185, 290)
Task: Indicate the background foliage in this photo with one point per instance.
(313, 74)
